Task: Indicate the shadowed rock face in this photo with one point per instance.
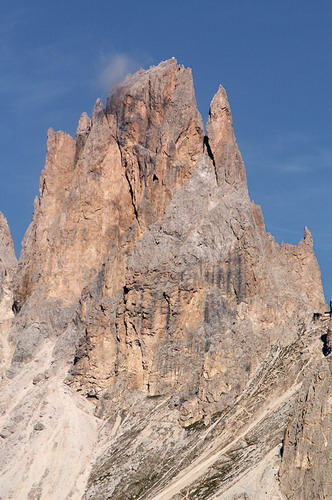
(147, 282)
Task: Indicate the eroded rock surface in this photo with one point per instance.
(156, 320)
(307, 451)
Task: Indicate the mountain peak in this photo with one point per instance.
(151, 318)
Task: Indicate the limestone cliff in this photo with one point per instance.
(8, 265)
(307, 450)
(155, 319)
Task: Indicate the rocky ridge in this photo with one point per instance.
(153, 318)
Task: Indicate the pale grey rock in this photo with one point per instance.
(39, 426)
(307, 445)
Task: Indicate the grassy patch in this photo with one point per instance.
(210, 484)
(195, 426)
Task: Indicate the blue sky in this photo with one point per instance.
(273, 58)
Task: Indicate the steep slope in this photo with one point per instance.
(307, 450)
(155, 319)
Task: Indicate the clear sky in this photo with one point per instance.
(274, 57)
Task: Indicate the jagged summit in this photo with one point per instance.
(163, 68)
(154, 336)
(7, 253)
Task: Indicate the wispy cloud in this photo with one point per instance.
(116, 67)
(272, 228)
(291, 154)
(295, 166)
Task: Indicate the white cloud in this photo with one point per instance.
(116, 68)
(296, 166)
(284, 230)
(292, 154)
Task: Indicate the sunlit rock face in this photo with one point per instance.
(150, 314)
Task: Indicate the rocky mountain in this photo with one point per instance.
(156, 342)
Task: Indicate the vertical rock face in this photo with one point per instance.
(7, 254)
(307, 451)
(97, 195)
(8, 264)
(160, 134)
(7, 259)
(148, 284)
(226, 156)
